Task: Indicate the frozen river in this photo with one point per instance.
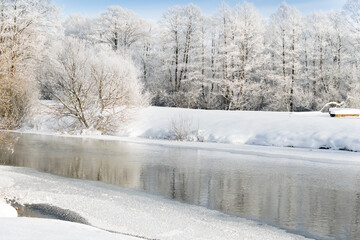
(315, 199)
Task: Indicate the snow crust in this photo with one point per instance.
(302, 130)
(6, 211)
(127, 211)
(35, 229)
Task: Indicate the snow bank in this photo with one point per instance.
(6, 211)
(35, 229)
(304, 130)
(129, 211)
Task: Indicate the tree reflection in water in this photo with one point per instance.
(7, 144)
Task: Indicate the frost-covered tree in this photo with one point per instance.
(339, 44)
(181, 35)
(126, 33)
(236, 44)
(351, 12)
(248, 32)
(143, 54)
(285, 32)
(225, 55)
(326, 50)
(24, 26)
(120, 28)
(94, 87)
(78, 26)
(319, 40)
(233, 60)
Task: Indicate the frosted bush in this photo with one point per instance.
(96, 87)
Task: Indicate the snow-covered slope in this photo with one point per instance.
(304, 130)
(308, 130)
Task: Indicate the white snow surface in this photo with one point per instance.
(122, 210)
(36, 228)
(344, 111)
(6, 211)
(302, 130)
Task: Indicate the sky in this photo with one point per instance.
(154, 9)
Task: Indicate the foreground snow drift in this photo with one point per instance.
(304, 130)
(35, 229)
(6, 211)
(129, 211)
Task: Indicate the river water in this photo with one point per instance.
(318, 200)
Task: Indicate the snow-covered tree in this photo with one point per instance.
(224, 56)
(24, 26)
(351, 12)
(120, 28)
(181, 34)
(78, 26)
(126, 33)
(93, 86)
(248, 32)
(285, 32)
(233, 60)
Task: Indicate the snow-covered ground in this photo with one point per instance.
(13, 228)
(6, 211)
(305, 130)
(35, 229)
(117, 209)
(302, 130)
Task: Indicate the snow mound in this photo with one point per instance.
(6, 211)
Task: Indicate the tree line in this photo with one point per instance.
(236, 60)
(233, 60)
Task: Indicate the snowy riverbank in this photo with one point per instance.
(301, 130)
(123, 210)
(135, 213)
(6, 211)
(35, 228)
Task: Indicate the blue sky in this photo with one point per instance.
(153, 9)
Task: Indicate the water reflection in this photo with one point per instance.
(322, 200)
(7, 144)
